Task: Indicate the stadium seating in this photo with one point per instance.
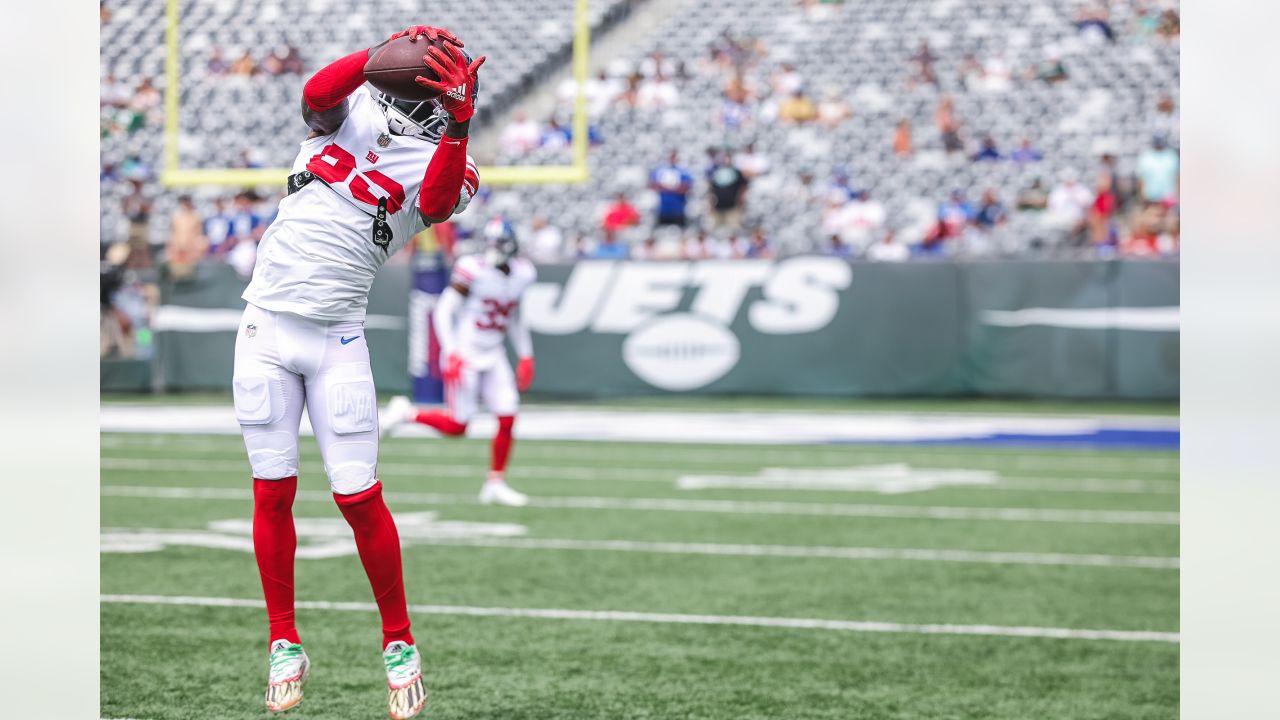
(858, 50)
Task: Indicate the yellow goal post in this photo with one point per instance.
(174, 176)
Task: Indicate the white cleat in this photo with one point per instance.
(496, 492)
(396, 414)
(406, 695)
(289, 670)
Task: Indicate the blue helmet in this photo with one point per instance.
(500, 243)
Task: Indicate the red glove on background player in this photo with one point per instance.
(457, 80)
(452, 370)
(433, 34)
(524, 373)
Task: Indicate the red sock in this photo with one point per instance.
(502, 441)
(274, 543)
(379, 546)
(441, 421)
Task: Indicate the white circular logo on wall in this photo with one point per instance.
(680, 351)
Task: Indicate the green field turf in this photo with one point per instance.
(610, 531)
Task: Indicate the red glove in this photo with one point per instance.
(433, 34)
(452, 371)
(524, 373)
(457, 80)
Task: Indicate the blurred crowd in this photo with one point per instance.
(699, 203)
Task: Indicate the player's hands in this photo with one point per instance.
(452, 370)
(524, 373)
(457, 80)
(433, 34)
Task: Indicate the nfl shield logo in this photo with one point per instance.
(250, 330)
(384, 140)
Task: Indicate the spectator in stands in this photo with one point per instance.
(246, 223)
(248, 158)
(216, 65)
(888, 250)
(991, 212)
(104, 13)
(1170, 25)
(244, 66)
(610, 248)
(797, 109)
(1033, 197)
(833, 110)
(1052, 70)
(217, 229)
(657, 63)
(187, 245)
(293, 64)
(902, 138)
(837, 248)
(734, 111)
(954, 215)
(758, 247)
(136, 207)
(621, 214)
(630, 95)
(970, 72)
(111, 92)
(786, 80)
(948, 125)
(1158, 173)
(1152, 233)
(728, 190)
(840, 187)
(556, 136)
(273, 63)
(861, 219)
(996, 74)
(521, 135)
(1145, 21)
(987, 152)
(1068, 208)
(146, 101)
(1164, 121)
(672, 182)
(1093, 21)
(1026, 153)
(703, 246)
(1101, 230)
(921, 70)
(657, 93)
(751, 162)
(545, 241)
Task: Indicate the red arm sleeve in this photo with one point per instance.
(335, 81)
(443, 180)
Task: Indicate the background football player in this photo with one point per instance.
(474, 317)
(301, 338)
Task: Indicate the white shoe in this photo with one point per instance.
(396, 414)
(406, 695)
(289, 670)
(496, 492)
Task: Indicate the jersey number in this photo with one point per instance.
(495, 315)
(334, 165)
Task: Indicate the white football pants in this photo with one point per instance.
(494, 382)
(284, 361)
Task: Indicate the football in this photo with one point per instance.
(393, 67)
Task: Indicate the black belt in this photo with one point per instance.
(382, 234)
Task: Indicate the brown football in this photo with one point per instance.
(393, 67)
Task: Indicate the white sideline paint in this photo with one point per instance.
(739, 507)
(674, 618)
(1148, 319)
(235, 535)
(744, 428)
(1022, 459)
(428, 469)
(892, 479)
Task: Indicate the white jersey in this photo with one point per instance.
(319, 257)
(489, 307)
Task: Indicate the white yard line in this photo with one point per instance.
(678, 619)
(738, 507)
(681, 456)
(211, 539)
(665, 476)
